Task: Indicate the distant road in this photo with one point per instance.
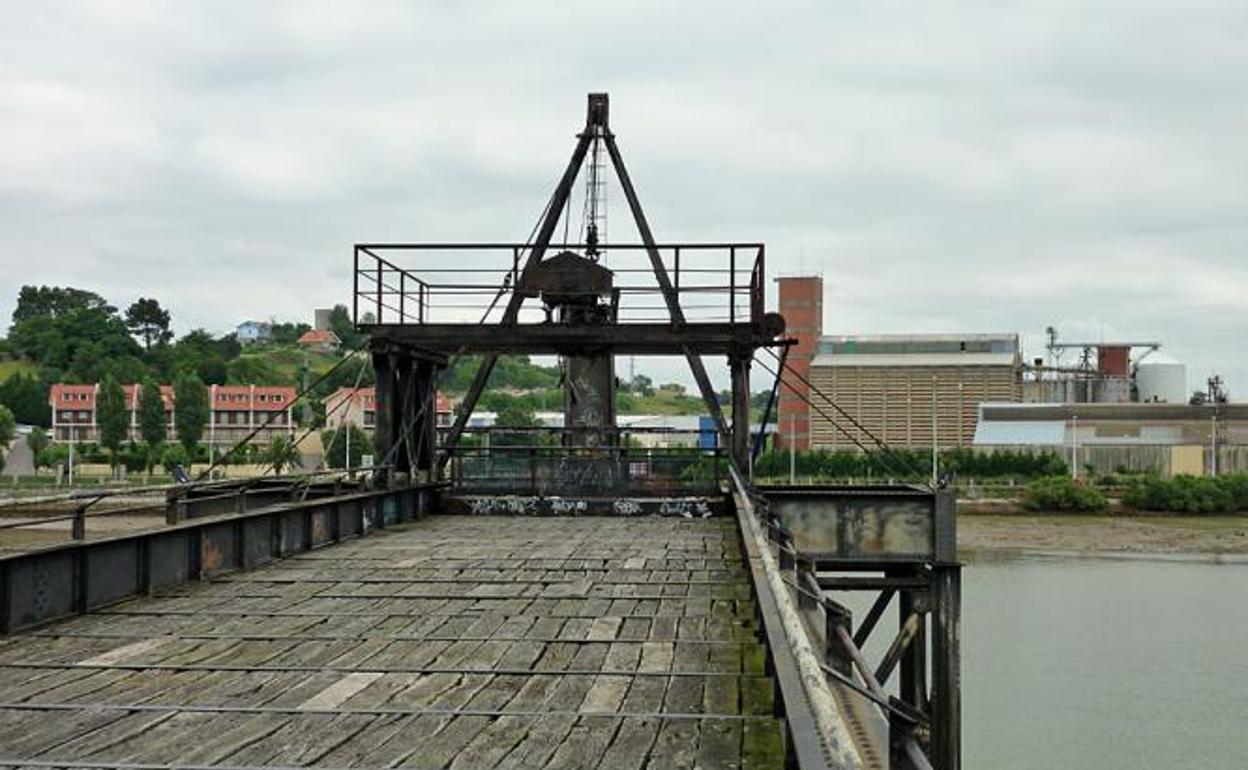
(18, 459)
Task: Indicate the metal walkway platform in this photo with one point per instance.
(453, 641)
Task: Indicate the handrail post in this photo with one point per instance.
(836, 655)
(804, 571)
(78, 530)
(785, 542)
(174, 509)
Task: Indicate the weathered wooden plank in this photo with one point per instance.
(631, 746)
(494, 743)
(302, 740)
(762, 743)
(676, 745)
(585, 744)
(543, 739)
(340, 692)
(619, 596)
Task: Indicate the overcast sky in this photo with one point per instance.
(970, 166)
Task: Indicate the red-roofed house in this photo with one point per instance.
(358, 407)
(322, 340)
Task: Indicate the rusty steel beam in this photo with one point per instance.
(670, 297)
(595, 118)
(709, 338)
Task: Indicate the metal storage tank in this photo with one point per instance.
(1164, 381)
(1112, 390)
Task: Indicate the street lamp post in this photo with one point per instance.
(935, 444)
(792, 456)
(1213, 445)
(1074, 447)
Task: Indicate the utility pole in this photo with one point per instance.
(792, 454)
(73, 436)
(1074, 447)
(935, 451)
(1213, 444)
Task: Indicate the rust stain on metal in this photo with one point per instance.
(320, 528)
(210, 555)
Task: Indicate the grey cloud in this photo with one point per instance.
(983, 166)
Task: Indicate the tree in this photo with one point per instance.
(27, 398)
(516, 416)
(281, 453)
(53, 301)
(152, 422)
(190, 410)
(287, 333)
(52, 456)
(199, 351)
(229, 347)
(642, 385)
(37, 441)
(340, 324)
(335, 443)
(174, 455)
(112, 416)
(148, 321)
(8, 426)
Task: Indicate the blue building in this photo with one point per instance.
(253, 331)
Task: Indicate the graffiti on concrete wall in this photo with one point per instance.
(521, 505)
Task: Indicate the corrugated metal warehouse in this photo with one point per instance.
(902, 388)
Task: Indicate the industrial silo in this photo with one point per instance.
(1161, 381)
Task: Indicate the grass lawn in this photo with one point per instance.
(10, 368)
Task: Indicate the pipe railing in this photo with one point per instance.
(841, 644)
(177, 497)
(723, 282)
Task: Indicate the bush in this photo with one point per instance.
(175, 454)
(133, 457)
(1061, 493)
(334, 443)
(912, 464)
(52, 455)
(1189, 494)
(1237, 486)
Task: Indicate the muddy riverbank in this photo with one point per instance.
(1118, 534)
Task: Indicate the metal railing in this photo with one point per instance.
(179, 502)
(834, 542)
(471, 282)
(843, 646)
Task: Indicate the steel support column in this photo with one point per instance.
(740, 367)
(425, 430)
(383, 430)
(946, 706)
(404, 413)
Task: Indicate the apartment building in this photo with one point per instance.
(358, 407)
(235, 411)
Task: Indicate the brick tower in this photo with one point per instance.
(801, 304)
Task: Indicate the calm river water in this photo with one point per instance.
(1104, 663)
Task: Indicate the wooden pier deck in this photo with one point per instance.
(460, 642)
